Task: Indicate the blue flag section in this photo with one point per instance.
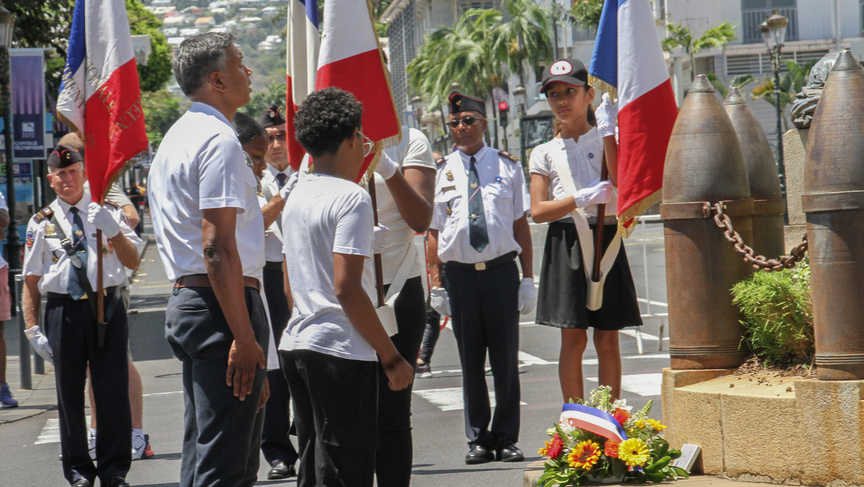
(603, 70)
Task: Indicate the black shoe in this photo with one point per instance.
(118, 482)
(478, 454)
(281, 470)
(82, 483)
(509, 453)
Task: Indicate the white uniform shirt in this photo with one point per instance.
(273, 234)
(3, 206)
(584, 158)
(502, 184)
(412, 151)
(200, 165)
(326, 215)
(43, 245)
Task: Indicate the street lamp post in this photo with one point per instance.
(7, 24)
(417, 105)
(774, 34)
(521, 98)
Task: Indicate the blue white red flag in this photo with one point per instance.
(301, 63)
(628, 63)
(100, 97)
(350, 60)
(592, 420)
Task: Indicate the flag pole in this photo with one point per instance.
(379, 271)
(600, 227)
(101, 324)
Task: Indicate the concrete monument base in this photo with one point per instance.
(768, 429)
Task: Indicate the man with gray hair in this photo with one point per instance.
(203, 196)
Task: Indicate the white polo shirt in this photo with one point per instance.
(200, 165)
(502, 184)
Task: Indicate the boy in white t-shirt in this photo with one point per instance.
(329, 349)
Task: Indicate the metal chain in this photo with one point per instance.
(758, 261)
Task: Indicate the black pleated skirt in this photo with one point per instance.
(562, 295)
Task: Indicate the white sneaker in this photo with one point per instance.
(141, 447)
(91, 443)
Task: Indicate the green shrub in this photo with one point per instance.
(778, 315)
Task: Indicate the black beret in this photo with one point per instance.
(272, 117)
(462, 103)
(64, 156)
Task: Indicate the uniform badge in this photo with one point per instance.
(448, 188)
(31, 238)
(449, 210)
(51, 229)
(498, 179)
(54, 258)
(449, 175)
(473, 185)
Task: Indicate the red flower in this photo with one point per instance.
(621, 415)
(555, 447)
(611, 449)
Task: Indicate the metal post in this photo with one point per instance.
(23, 343)
(523, 152)
(781, 166)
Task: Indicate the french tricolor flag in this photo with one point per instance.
(350, 60)
(592, 420)
(100, 97)
(300, 66)
(628, 63)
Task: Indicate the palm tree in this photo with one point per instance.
(790, 84)
(737, 82)
(680, 36)
(586, 13)
(524, 39)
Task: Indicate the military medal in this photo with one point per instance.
(54, 258)
(449, 175)
(498, 179)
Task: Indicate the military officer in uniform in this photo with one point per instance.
(60, 262)
(479, 227)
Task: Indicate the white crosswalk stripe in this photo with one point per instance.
(51, 431)
(450, 398)
(642, 384)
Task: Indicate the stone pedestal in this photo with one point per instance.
(778, 430)
(794, 154)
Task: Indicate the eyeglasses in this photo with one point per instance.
(280, 136)
(368, 145)
(467, 121)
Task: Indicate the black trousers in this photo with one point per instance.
(394, 459)
(71, 331)
(275, 443)
(335, 414)
(485, 317)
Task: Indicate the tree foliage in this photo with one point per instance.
(161, 110)
(525, 38)
(790, 84)
(261, 99)
(157, 73)
(680, 36)
(737, 82)
(586, 13)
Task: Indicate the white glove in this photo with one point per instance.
(607, 115)
(101, 218)
(439, 301)
(289, 186)
(386, 167)
(39, 342)
(527, 296)
(596, 194)
(379, 242)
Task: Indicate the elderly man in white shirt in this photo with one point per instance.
(210, 234)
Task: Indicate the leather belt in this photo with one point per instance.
(203, 280)
(273, 266)
(483, 266)
(108, 291)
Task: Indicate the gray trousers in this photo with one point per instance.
(222, 433)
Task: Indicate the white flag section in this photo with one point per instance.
(300, 66)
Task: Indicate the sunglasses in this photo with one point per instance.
(280, 136)
(368, 145)
(467, 121)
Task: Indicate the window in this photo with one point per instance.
(754, 12)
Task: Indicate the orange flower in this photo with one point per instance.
(621, 415)
(611, 449)
(584, 455)
(555, 447)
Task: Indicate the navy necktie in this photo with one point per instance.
(477, 219)
(79, 243)
(281, 178)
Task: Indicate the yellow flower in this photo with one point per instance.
(584, 455)
(544, 450)
(633, 452)
(650, 423)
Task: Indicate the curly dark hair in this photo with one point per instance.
(325, 119)
(247, 128)
(198, 56)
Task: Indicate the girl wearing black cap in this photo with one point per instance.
(570, 165)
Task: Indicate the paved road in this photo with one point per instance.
(29, 447)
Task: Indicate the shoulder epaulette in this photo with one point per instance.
(440, 162)
(111, 203)
(508, 156)
(43, 214)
